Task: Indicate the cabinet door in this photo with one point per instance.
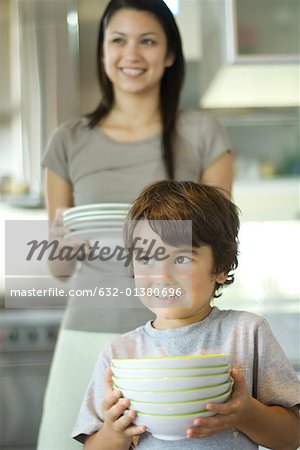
(264, 29)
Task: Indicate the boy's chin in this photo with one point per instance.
(170, 313)
(166, 303)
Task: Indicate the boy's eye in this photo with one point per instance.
(182, 260)
(145, 260)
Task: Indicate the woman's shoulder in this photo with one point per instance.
(72, 128)
(194, 116)
(199, 121)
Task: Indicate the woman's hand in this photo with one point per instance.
(58, 232)
(114, 407)
(68, 250)
(228, 414)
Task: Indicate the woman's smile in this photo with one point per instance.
(132, 72)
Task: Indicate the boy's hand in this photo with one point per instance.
(114, 407)
(228, 414)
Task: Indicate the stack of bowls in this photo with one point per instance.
(169, 393)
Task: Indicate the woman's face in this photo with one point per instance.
(135, 51)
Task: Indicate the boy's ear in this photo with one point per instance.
(221, 277)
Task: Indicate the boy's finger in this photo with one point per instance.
(117, 410)
(124, 421)
(110, 400)
(108, 379)
(111, 395)
(238, 376)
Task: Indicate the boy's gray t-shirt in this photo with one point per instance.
(253, 348)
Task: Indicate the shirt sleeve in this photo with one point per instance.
(213, 140)
(90, 417)
(56, 155)
(276, 380)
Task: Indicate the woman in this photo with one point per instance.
(136, 136)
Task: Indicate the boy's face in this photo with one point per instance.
(177, 284)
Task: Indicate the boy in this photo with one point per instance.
(196, 264)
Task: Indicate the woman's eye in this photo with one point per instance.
(148, 42)
(182, 260)
(117, 41)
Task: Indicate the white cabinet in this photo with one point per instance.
(268, 200)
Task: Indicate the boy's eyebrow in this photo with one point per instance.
(192, 250)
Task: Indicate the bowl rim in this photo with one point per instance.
(172, 416)
(230, 382)
(158, 358)
(185, 402)
(188, 377)
(154, 369)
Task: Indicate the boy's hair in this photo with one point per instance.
(214, 219)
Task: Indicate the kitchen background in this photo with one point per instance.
(243, 65)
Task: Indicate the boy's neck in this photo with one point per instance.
(165, 324)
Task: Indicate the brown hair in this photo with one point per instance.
(214, 220)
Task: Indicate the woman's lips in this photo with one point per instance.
(131, 72)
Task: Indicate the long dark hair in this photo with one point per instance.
(171, 82)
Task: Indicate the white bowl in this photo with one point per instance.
(159, 373)
(170, 383)
(169, 427)
(176, 396)
(172, 362)
(187, 407)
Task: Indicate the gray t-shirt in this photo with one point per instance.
(104, 170)
(253, 348)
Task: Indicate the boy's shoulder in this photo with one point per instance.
(241, 317)
(240, 313)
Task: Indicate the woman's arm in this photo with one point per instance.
(59, 195)
(220, 173)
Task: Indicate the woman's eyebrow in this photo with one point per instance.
(142, 34)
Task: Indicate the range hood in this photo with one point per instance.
(253, 85)
(250, 57)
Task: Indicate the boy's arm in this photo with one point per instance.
(271, 426)
(274, 427)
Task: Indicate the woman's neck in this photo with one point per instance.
(132, 118)
(132, 111)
